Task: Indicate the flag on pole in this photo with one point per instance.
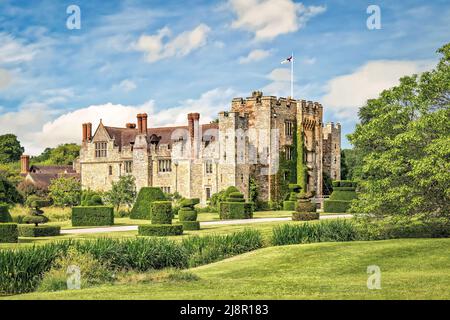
(287, 60)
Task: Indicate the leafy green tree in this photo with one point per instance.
(10, 148)
(8, 192)
(404, 143)
(65, 192)
(123, 192)
(63, 154)
(351, 162)
(43, 157)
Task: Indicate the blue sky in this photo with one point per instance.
(171, 57)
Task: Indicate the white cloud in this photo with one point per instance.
(255, 55)
(156, 48)
(5, 78)
(126, 85)
(268, 19)
(14, 50)
(38, 127)
(347, 93)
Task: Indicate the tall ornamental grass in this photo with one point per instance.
(323, 231)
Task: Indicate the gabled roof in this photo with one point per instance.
(124, 136)
(54, 169)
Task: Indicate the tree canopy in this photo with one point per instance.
(10, 148)
(63, 154)
(403, 141)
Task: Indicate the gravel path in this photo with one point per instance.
(204, 223)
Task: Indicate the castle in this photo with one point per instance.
(258, 144)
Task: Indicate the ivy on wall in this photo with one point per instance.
(302, 170)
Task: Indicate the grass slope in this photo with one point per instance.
(411, 269)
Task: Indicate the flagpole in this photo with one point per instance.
(292, 76)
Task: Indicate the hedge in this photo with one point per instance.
(161, 212)
(147, 195)
(336, 206)
(343, 195)
(40, 231)
(289, 205)
(92, 216)
(5, 216)
(344, 183)
(191, 225)
(187, 215)
(189, 202)
(305, 216)
(8, 233)
(235, 210)
(160, 230)
(306, 207)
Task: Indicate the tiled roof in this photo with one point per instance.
(43, 169)
(124, 136)
(46, 178)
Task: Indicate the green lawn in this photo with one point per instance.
(411, 269)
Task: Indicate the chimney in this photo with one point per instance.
(194, 132)
(130, 125)
(144, 123)
(139, 122)
(88, 131)
(84, 129)
(24, 164)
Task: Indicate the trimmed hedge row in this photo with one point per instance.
(343, 195)
(336, 206)
(39, 231)
(305, 216)
(160, 230)
(161, 212)
(92, 216)
(235, 210)
(344, 183)
(5, 216)
(142, 206)
(8, 233)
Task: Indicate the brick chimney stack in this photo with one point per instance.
(139, 122)
(24, 163)
(84, 130)
(130, 125)
(88, 131)
(144, 123)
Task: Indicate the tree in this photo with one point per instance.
(63, 154)
(123, 192)
(28, 188)
(351, 165)
(404, 143)
(8, 192)
(43, 157)
(65, 192)
(10, 148)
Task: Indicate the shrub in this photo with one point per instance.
(147, 195)
(336, 206)
(160, 230)
(323, 231)
(343, 195)
(235, 210)
(38, 231)
(187, 215)
(8, 233)
(190, 225)
(161, 212)
(305, 216)
(5, 216)
(189, 202)
(22, 270)
(289, 205)
(91, 198)
(18, 218)
(207, 249)
(92, 216)
(92, 271)
(306, 207)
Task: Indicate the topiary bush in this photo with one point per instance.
(187, 215)
(291, 203)
(36, 215)
(38, 231)
(344, 191)
(235, 210)
(5, 216)
(161, 212)
(8, 233)
(142, 206)
(91, 198)
(305, 209)
(160, 230)
(92, 216)
(190, 225)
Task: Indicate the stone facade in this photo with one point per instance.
(199, 160)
